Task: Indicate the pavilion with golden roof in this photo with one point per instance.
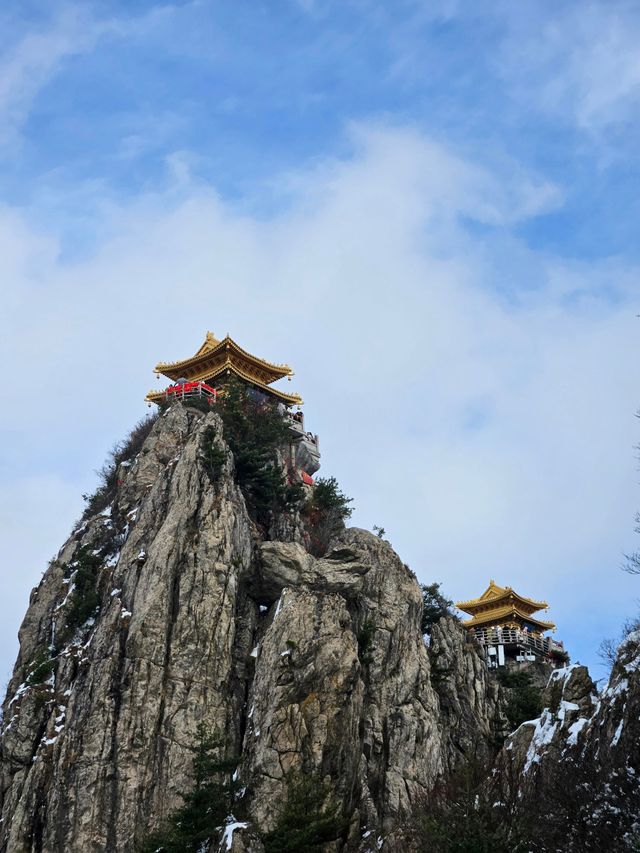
(503, 607)
(503, 622)
(217, 361)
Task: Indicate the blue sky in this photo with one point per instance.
(429, 209)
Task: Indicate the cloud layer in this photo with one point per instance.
(473, 394)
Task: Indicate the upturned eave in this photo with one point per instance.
(198, 366)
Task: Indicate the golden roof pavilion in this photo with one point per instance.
(217, 361)
(501, 606)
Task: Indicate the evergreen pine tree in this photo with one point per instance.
(205, 806)
(308, 819)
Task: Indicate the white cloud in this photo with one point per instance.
(487, 425)
(581, 62)
(34, 59)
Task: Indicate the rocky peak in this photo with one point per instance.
(167, 610)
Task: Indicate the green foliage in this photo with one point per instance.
(379, 531)
(326, 511)
(365, 641)
(255, 431)
(197, 822)
(525, 699)
(328, 498)
(434, 606)
(465, 815)
(215, 457)
(107, 475)
(40, 668)
(308, 819)
(84, 601)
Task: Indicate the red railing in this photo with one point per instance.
(191, 389)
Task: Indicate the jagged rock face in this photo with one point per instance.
(471, 701)
(577, 767)
(90, 756)
(301, 663)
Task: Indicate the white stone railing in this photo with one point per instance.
(515, 637)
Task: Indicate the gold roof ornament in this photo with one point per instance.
(499, 605)
(217, 361)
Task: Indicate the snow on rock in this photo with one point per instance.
(616, 737)
(575, 729)
(230, 828)
(280, 603)
(613, 691)
(562, 674)
(542, 736)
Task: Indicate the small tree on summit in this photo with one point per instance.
(434, 606)
(255, 431)
(327, 512)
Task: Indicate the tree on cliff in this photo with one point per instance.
(434, 606)
(308, 819)
(327, 511)
(255, 432)
(205, 806)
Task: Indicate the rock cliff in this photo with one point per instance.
(578, 764)
(171, 608)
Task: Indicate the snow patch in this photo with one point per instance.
(280, 603)
(67, 596)
(115, 592)
(230, 828)
(19, 692)
(563, 673)
(542, 736)
(633, 665)
(616, 737)
(575, 729)
(621, 687)
(112, 560)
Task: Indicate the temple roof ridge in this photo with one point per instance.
(495, 593)
(211, 344)
(216, 358)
